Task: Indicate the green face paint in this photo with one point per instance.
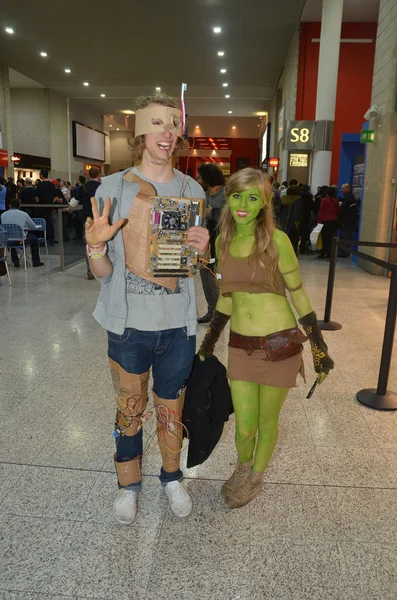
(245, 206)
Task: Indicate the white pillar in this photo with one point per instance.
(327, 82)
(5, 116)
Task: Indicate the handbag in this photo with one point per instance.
(315, 235)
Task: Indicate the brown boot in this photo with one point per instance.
(241, 472)
(247, 492)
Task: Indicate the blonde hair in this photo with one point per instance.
(264, 228)
(137, 144)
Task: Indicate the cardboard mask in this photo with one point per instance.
(157, 119)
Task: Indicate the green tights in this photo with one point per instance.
(257, 409)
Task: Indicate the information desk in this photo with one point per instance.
(70, 252)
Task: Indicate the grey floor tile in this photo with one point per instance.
(292, 512)
(76, 450)
(21, 443)
(372, 567)
(208, 551)
(363, 515)
(102, 561)
(355, 467)
(336, 426)
(281, 569)
(8, 595)
(50, 493)
(10, 474)
(292, 464)
(25, 545)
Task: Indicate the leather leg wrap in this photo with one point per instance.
(131, 398)
(169, 430)
(128, 472)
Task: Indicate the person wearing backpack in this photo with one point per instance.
(329, 216)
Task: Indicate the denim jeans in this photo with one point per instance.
(170, 354)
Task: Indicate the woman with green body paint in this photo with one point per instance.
(257, 263)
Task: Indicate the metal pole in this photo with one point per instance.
(60, 236)
(327, 324)
(68, 138)
(381, 398)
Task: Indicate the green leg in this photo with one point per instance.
(271, 401)
(245, 396)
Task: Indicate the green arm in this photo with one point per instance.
(289, 268)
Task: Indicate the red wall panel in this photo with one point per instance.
(356, 65)
(244, 148)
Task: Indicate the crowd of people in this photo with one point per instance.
(45, 191)
(297, 211)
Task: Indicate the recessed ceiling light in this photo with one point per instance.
(68, 71)
(223, 70)
(261, 113)
(158, 89)
(86, 84)
(118, 129)
(103, 95)
(227, 96)
(9, 30)
(217, 29)
(230, 112)
(234, 127)
(127, 111)
(110, 125)
(43, 54)
(225, 84)
(197, 126)
(221, 53)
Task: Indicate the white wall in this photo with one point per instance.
(31, 121)
(380, 190)
(120, 152)
(58, 136)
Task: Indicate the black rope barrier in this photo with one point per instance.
(380, 398)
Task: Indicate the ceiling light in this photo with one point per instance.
(261, 113)
(68, 71)
(86, 84)
(225, 84)
(197, 126)
(221, 53)
(103, 95)
(227, 96)
(223, 70)
(9, 30)
(229, 112)
(216, 29)
(118, 129)
(110, 125)
(43, 54)
(127, 111)
(234, 127)
(158, 89)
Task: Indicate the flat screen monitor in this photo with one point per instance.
(88, 142)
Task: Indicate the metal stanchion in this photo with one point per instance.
(381, 398)
(327, 324)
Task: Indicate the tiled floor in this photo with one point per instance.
(324, 527)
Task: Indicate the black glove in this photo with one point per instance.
(323, 363)
(217, 325)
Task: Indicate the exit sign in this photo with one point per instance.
(367, 136)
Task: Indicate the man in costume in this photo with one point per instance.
(151, 323)
(257, 263)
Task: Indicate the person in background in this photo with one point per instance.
(20, 185)
(291, 213)
(84, 193)
(11, 190)
(284, 187)
(3, 194)
(36, 183)
(64, 189)
(212, 180)
(27, 195)
(276, 201)
(307, 208)
(348, 217)
(15, 216)
(322, 192)
(328, 216)
(45, 194)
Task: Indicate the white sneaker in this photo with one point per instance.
(125, 506)
(179, 498)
